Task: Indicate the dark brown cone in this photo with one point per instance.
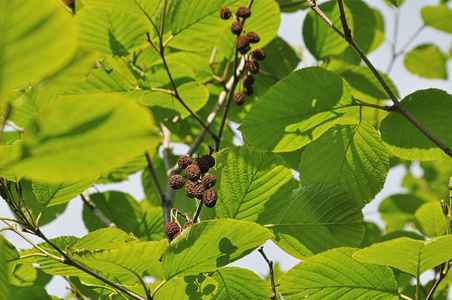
(236, 27)
(176, 182)
(248, 90)
(248, 81)
(243, 12)
(225, 13)
(239, 98)
(171, 229)
(202, 164)
(184, 161)
(193, 173)
(253, 37)
(199, 190)
(245, 50)
(242, 42)
(190, 189)
(210, 160)
(209, 198)
(252, 66)
(209, 181)
(187, 224)
(259, 54)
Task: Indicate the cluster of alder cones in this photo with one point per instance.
(243, 44)
(198, 185)
(173, 228)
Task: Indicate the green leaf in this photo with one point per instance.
(300, 108)
(194, 287)
(438, 17)
(430, 220)
(119, 208)
(336, 275)
(368, 31)
(49, 195)
(194, 94)
(9, 154)
(407, 142)
(151, 226)
(38, 37)
(397, 210)
(105, 238)
(209, 245)
(249, 180)
(365, 85)
(98, 135)
(4, 272)
(135, 257)
(111, 31)
(34, 292)
(237, 283)
(427, 61)
(288, 6)
(408, 255)
(350, 156)
(320, 39)
(371, 235)
(318, 217)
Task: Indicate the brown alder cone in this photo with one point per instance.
(239, 98)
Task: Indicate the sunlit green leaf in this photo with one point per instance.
(430, 220)
(320, 39)
(288, 6)
(350, 156)
(396, 3)
(196, 287)
(438, 17)
(432, 108)
(408, 255)
(336, 275)
(399, 209)
(210, 245)
(37, 36)
(111, 31)
(248, 180)
(99, 134)
(8, 257)
(300, 108)
(318, 217)
(427, 61)
(49, 195)
(237, 283)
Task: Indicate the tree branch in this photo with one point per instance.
(385, 86)
(437, 282)
(272, 277)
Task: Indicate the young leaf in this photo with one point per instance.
(299, 109)
(319, 38)
(51, 194)
(430, 220)
(248, 179)
(438, 17)
(37, 36)
(336, 275)
(427, 61)
(405, 140)
(408, 255)
(81, 137)
(317, 218)
(237, 283)
(350, 156)
(192, 287)
(209, 245)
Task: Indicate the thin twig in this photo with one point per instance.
(86, 199)
(437, 282)
(270, 267)
(385, 86)
(198, 211)
(385, 107)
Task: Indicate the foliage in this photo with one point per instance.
(94, 91)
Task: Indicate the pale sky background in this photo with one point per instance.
(70, 222)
